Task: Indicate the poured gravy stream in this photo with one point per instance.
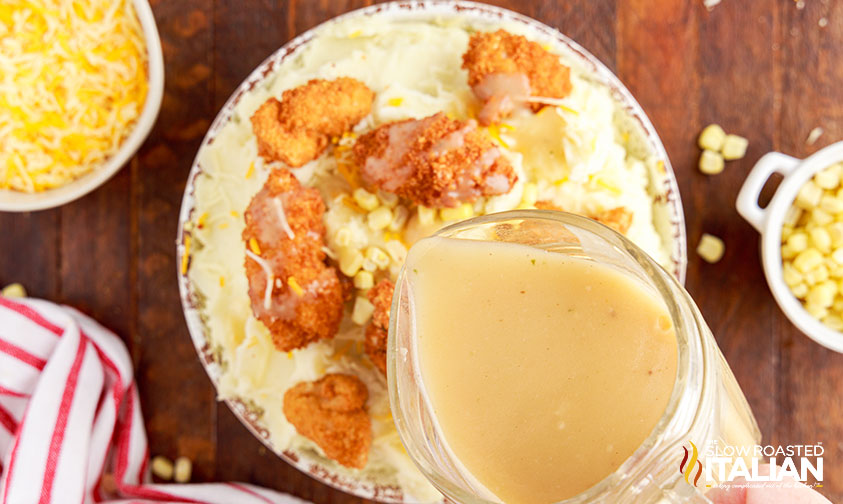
(544, 372)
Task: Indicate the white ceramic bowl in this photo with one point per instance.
(667, 206)
(15, 201)
(768, 221)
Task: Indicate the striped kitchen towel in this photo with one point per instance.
(69, 414)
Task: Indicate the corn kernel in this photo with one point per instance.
(162, 467)
(831, 204)
(818, 312)
(365, 199)
(530, 194)
(711, 163)
(387, 198)
(399, 218)
(788, 252)
(183, 470)
(807, 260)
(426, 215)
(377, 256)
(822, 294)
(734, 147)
(461, 212)
(379, 218)
(362, 311)
(786, 232)
(791, 217)
(808, 196)
(835, 231)
(351, 260)
(791, 275)
(837, 256)
(834, 322)
(712, 137)
(369, 265)
(364, 280)
(14, 290)
(820, 218)
(816, 275)
(828, 178)
(838, 303)
(396, 250)
(800, 291)
(343, 237)
(820, 239)
(798, 241)
(711, 248)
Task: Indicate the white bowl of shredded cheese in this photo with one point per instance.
(409, 54)
(76, 105)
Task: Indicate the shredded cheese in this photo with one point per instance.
(254, 247)
(295, 287)
(270, 278)
(74, 81)
(185, 255)
(279, 207)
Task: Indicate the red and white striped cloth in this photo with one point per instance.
(69, 413)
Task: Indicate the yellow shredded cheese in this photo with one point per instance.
(253, 245)
(295, 287)
(250, 171)
(74, 81)
(185, 256)
(395, 102)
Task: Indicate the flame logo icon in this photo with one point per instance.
(686, 467)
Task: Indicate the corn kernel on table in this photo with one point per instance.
(767, 70)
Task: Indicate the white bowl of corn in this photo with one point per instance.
(802, 238)
(82, 89)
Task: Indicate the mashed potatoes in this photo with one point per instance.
(580, 156)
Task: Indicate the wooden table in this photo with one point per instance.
(763, 68)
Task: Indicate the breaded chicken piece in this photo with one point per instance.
(378, 329)
(331, 412)
(298, 128)
(435, 161)
(504, 68)
(619, 218)
(284, 238)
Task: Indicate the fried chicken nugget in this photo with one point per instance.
(504, 68)
(378, 329)
(297, 129)
(619, 218)
(435, 161)
(331, 412)
(293, 291)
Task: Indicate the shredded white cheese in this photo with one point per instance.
(74, 81)
(270, 278)
(279, 207)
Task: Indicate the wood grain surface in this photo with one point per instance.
(764, 69)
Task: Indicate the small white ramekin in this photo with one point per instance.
(769, 220)
(16, 201)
